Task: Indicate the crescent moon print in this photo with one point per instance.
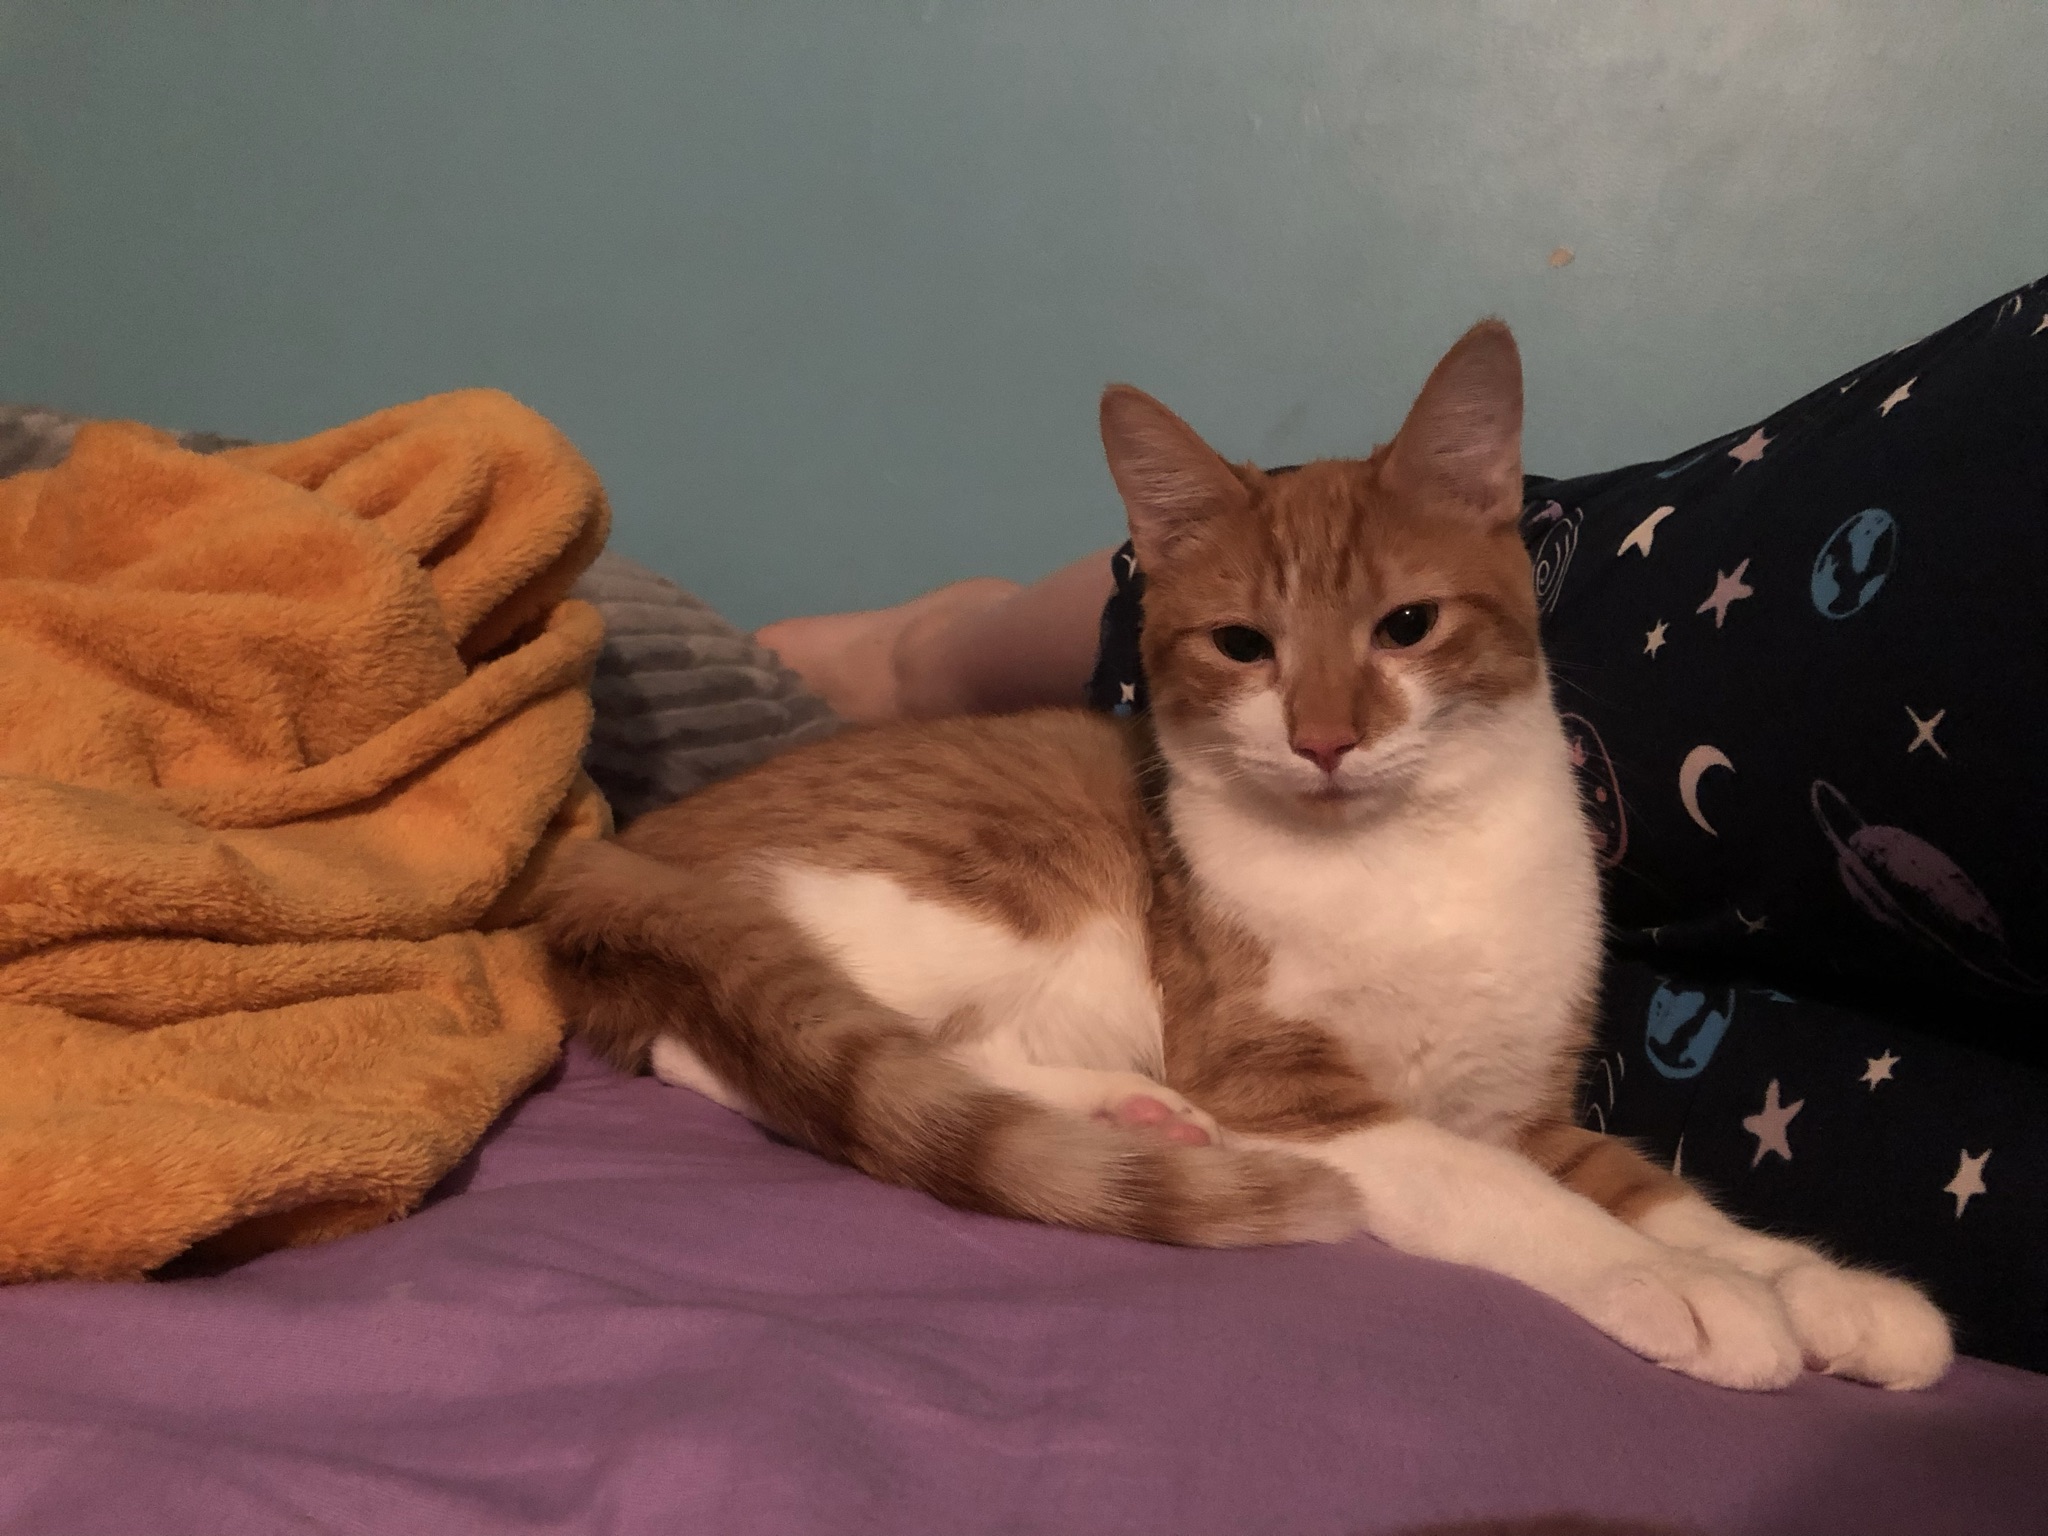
(1696, 763)
(1911, 886)
(1554, 554)
(1600, 789)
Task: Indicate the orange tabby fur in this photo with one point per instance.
(1312, 949)
(1033, 821)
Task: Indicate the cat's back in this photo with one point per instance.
(1023, 812)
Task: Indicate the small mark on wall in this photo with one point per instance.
(1275, 443)
(1561, 257)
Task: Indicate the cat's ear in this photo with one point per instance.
(1173, 484)
(1463, 436)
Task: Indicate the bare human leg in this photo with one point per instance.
(983, 646)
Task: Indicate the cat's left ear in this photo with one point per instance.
(1173, 484)
(1462, 440)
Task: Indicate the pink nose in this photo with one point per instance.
(1325, 751)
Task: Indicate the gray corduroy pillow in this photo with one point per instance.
(682, 697)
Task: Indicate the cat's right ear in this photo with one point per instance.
(1462, 441)
(1173, 484)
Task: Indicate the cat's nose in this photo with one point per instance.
(1324, 749)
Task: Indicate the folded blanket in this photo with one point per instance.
(682, 697)
(287, 737)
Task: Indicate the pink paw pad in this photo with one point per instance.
(1143, 1113)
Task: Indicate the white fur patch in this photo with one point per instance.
(1085, 999)
(1428, 1192)
(1445, 938)
(676, 1064)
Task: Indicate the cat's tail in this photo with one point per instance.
(920, 1118)
(644, 949)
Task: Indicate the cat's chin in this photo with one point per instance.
(1330, 794)
(1263, 783)
(1332, 803)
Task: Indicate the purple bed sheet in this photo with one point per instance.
(633, 1312)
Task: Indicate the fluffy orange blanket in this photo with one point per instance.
(287, 737)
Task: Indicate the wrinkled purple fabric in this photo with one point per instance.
(633, 1312)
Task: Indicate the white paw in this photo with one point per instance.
(1139, 1104)
(1697, 1317)
(1864, 1326)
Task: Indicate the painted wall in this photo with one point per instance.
(826, 288)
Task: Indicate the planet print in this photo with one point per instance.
(1852, 565)
(1683, 1029)
(1909, 885)
(1554, 554)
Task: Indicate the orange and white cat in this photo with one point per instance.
(1313, 950)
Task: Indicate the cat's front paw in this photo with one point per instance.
(1143, 1105)
(1866, 1327)
(1699, 1318)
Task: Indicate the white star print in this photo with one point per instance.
(1768, 1124)
(1653, 642)
(1729, 587)
(1898, 396)
(1127, 693)
(1923, 732)
(1750, 449)
(1130, 564)
(1878, 1069)
(2043, 326)
(1642, 535)
(1751, 924)
(1969, 1179)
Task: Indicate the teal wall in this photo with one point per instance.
(826, 288)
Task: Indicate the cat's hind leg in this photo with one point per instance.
(797, 1023)
(1849, 1322)
(671, 1060)
(1127, 1099)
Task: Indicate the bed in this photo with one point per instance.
(631, 1311)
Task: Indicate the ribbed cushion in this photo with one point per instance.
(682, 697)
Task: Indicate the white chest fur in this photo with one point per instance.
(1447, 945)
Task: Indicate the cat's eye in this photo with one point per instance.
(1406, 626)
(1240, 642)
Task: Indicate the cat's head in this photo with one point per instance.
(1318, 636)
